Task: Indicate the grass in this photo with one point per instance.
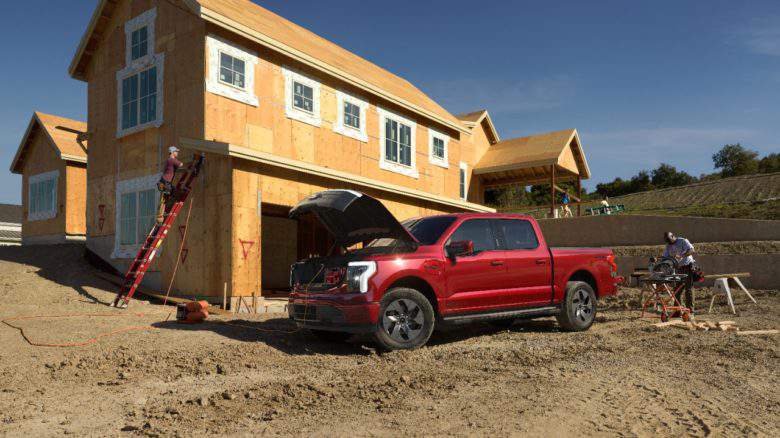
(741, 197)
(748, 210)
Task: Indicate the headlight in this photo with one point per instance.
(358, 274)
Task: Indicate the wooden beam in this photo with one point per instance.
(521, 181)
(579, 196)
(552, 191)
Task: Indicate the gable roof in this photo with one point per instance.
(473, 119)
(263, 27)
(560, 148)
(59, 132)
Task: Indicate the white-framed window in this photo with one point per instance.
(438, 145)
(463, 178)
(139, 37)
(231, 71)
(397, 139)
(140, 96)
(139, 43)
(42, 196)
(302, 97)
(351, 116)
(137, 204)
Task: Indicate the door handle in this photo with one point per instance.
(541, 261)
(497, 263)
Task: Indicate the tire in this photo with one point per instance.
(502, 324)
(328, 336)
(406, 320)
(578, 310)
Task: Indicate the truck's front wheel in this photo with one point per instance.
(406, 320)
(578, 310)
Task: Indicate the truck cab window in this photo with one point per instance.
(479, 232)
(518, 234)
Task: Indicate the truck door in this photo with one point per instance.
(529, 266)
(476, 282)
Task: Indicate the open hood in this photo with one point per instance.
(352, 217)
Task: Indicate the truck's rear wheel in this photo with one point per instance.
(406, 320)
(578, 310)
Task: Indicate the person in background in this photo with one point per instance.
(565, 210)
(681, 250)
(605, 204)
(165, 185)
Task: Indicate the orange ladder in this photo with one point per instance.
(157, 235)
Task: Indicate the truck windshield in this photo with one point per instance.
(426, 230)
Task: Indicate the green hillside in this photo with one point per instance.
(751, 196)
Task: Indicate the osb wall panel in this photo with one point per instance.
(266, 128)
(246, 254)
(76, 199)
(180, 35)
(43, 158)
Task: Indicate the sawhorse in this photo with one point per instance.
(722, 288)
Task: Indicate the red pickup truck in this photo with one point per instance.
(407, 278)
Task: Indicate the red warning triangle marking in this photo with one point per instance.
(102, 209)
(101, 221)
(246, 246)
(184, 253)
(182, 228)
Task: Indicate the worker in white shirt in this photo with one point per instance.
(681, 250)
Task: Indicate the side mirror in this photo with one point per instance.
(459, 248)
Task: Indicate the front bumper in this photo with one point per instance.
(323, 315)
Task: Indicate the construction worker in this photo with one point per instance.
(165, 185)
(565, 210)
(681, 250)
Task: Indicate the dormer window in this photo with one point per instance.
(139, 43)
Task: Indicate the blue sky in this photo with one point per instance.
(642, 81)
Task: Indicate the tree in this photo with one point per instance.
(734, 160)
(640, 182)
(666, 175)
(769, 164)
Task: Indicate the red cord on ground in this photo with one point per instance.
(79, 315)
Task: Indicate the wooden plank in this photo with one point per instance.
(758, 332)
(737, 275)
(117, 281)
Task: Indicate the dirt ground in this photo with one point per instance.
(623, 377)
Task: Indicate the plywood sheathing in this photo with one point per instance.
(180, 35)
(41, 157)
(267, 129)
(527, 160)
(255, 22)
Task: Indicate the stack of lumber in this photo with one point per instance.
(723, 326)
